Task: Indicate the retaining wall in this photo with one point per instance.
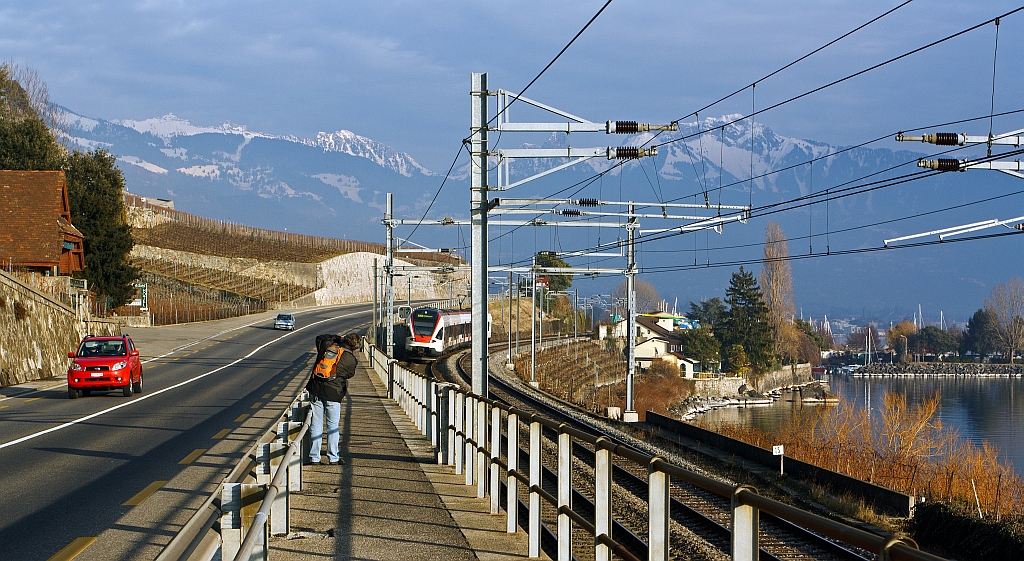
(884, 500)
(36, 333)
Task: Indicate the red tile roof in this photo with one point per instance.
(35, 219)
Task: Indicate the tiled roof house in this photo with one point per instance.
(35, 223)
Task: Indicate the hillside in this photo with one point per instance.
(196, 268)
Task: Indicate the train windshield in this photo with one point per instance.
(423, 321)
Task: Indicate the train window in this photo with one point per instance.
(424, 321)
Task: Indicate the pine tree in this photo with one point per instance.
(746, 323)
(95, 195)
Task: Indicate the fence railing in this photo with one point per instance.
(261, 482)
(480, 438)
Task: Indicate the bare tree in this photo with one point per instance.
(647, 297)
(1007, 304)
(777, 284)
(26, 96)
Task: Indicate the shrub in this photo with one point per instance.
(20, 311)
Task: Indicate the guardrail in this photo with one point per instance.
(466, 431)
(262, 481)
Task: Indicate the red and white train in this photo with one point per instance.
(433, 331)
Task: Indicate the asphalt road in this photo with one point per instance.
(68, 467)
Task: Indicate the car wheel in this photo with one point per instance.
(127, 390)
(73, 394)
(86, 393)
(137, 387)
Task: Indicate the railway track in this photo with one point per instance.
(695, 513)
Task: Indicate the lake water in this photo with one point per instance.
(978, 408)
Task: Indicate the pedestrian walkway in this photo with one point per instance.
(390, 499)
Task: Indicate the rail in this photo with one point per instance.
(265, 476)
(466, 431)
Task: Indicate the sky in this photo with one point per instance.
(399, 72)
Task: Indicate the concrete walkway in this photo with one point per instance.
(390, 500)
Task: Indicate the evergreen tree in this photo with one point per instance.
(981, 337)
(95, 195)
(28, 145)
(700, 345)
(556, 283)
(709, 313)
(746, 323)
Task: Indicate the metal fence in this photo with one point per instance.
(480, 438)
(253, 500)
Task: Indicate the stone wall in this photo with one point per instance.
(729, 387)
(36, 333)
(791, 375)
(344, 279)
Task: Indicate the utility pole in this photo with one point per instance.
(389, 275)
(630, 415)
(508, 363)
(375, 308)
(478, 216)
(533, 325)
(408, 293)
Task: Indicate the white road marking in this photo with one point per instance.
(169, 388)
(176, 349)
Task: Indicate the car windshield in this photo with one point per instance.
(284, 317)
(102, 348)
(423, 321)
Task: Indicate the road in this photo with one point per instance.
(75, 475)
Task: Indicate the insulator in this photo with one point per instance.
(942, 164)
(570, 212)
(947, 139)
(586, 202)
(626, 127)
(627, 153)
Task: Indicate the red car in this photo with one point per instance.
(103, 364)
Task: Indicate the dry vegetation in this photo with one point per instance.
(902, 448)
(593, 377)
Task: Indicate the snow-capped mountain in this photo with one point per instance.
(334, 185)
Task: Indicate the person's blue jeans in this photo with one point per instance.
(316, 430)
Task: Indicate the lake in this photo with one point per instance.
(978, 408)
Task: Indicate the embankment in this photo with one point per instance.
(36, 333)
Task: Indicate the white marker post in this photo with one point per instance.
(778, 451)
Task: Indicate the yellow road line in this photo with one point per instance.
(222, 434)
(257, 405)
(32, 399)
(144, 494)
(242, 417)
(72, 550)
(192, 457)
(265, 396)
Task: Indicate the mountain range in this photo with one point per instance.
(334, 185)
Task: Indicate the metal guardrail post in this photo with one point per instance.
(423, 388)
(535, 486)
(268, 460)
(239, 504)
(564, 495)
(658, 507)
(437, 424)
(451, 397)
(445, 433)
(511, 483)
(745, 526)
(460, 431)
(469, 455)
(495, 456)
(602, 498)
(481, 449)
(391, 378)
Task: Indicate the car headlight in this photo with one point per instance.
(119, 365)
(76, 366)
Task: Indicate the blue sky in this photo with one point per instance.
(398, 72)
